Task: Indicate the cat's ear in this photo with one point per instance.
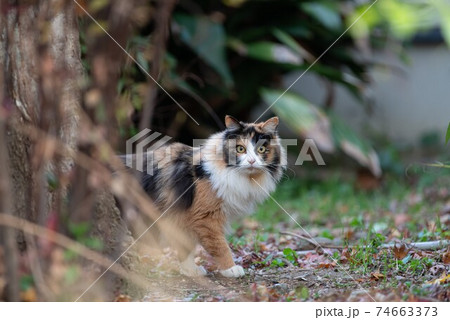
(271, 125)
(232, 123)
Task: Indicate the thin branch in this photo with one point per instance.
(313, 242)
(160, 34)
(429, 245)
(36, 270)
(50, 235)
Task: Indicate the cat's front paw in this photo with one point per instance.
(233, 272)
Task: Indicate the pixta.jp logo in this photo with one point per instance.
(140, 151)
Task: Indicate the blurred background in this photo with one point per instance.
(366, 80)
(382, 84)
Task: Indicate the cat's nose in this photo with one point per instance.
(251, 161)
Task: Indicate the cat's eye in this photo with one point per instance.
(262, 149)
(240, 149)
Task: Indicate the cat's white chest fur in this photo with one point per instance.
(240, 193)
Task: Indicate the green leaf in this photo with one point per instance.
(326, 13)
(301, 116)
(354, 146)
(304, 293)
(79, 230)
(142, 61)
(444, 12)
(267, 51)
(447, 136)
(70, 254)
(26, 281)
(52, 181)
(277, 262)
(207, 39)
(292, 44)
(290, 255)
(326, 234)
(309, 121)
(404, 18)
(93, 243)
(273, 52)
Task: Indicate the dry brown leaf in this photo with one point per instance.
(326, 265)
(349, 234)
(377, 276)
(446, 257)
(366, 181)
(263, 247)
(400, 251)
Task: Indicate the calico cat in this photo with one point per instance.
(200, 189)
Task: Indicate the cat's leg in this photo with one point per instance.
(188, 267)
(185, 244)
(212, 238)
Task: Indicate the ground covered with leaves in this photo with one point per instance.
(341, 237)
(330, 240)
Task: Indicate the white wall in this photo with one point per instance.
(406, 103)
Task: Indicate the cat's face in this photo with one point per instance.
(252, 148)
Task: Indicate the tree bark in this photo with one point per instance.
(41, 72)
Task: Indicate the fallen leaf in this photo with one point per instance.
(446, 257)
(326, 265)
(400, 251)
(366, 181)
(395, 233)
(377, 276)
(442, 280)
(263, 247)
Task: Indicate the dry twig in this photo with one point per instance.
(50, 235)
(429, 245)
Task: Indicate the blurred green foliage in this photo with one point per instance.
(229, 56)
(447, 136)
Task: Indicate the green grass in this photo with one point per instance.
(331, 207)
(337, 202)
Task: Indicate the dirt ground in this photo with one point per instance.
(292, 283)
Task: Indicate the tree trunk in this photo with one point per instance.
(40, 76)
